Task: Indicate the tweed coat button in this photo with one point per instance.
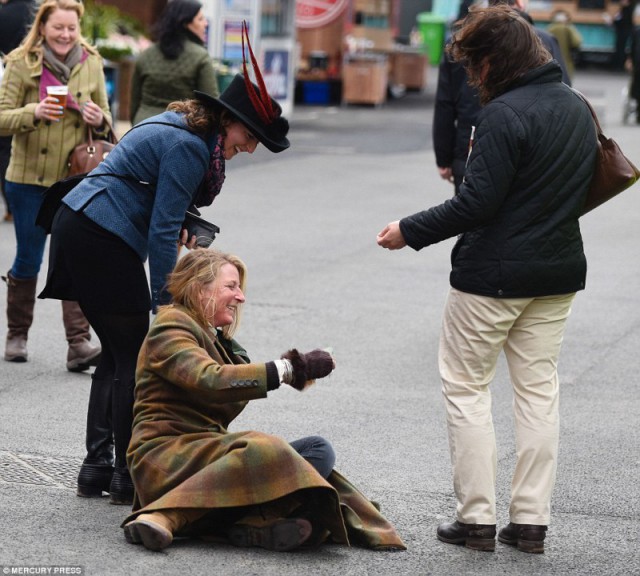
(47, 122)
(40, 178)
(77, 124)
(43, 151)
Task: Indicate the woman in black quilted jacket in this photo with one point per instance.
(516, 267)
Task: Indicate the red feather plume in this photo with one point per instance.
(261, 102)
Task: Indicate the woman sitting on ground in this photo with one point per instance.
(194, 477)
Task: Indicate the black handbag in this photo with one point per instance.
(204, 231)
(52, 198)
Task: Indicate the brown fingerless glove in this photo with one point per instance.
(307, 367)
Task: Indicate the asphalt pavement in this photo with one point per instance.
(305, 222)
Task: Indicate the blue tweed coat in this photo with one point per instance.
(148, 218)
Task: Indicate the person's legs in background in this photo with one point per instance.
(25, 201)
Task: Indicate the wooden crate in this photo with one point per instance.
(364, 81)
(408, 69)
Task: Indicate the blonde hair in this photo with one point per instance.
(31, 47)
(197, 268)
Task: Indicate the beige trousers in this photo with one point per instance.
(475, 329)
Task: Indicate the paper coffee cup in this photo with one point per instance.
(59, 92)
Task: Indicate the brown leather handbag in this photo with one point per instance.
(86, 156)
(614, 172)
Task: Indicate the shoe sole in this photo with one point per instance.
(481, 544)
(120, 500)
(150, 535)
(281, 536)
(529, 546)
(89, 492)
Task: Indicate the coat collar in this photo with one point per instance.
(549, 72)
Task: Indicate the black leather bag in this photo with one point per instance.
(204, 231)
(53, 198)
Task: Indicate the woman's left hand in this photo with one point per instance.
(92, 114)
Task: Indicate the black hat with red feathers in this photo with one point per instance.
(252, 105)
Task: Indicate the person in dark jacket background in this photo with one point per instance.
(457, 104)
(15, 19)
(516, 267)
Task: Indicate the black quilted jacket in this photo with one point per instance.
(525, 184)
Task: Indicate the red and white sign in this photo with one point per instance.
(316, 13)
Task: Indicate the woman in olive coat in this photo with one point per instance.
(191, 474)
(43, 134)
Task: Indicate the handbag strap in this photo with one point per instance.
(593, 112)
(128, 177)
(111, 134)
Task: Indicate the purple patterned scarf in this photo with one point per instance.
(214, 178)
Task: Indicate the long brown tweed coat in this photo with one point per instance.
(190, 385)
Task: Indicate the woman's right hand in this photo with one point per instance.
(49, 109)
(185, 241)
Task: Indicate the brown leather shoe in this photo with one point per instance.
(279, 535)
(526, 537)
(474, 536)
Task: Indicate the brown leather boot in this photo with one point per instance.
(21, 297)
(81, 354)
(155, 530)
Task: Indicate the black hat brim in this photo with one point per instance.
(282, 143)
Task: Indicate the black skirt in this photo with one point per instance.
(94, 267)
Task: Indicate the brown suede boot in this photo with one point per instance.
(155, 530)
(81, 354)
(21, 297)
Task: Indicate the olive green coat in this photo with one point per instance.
(190, 385)
(40, 150)
(158, 81)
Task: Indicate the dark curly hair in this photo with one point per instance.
(170, 30)
(203, 118)
(496, 46)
